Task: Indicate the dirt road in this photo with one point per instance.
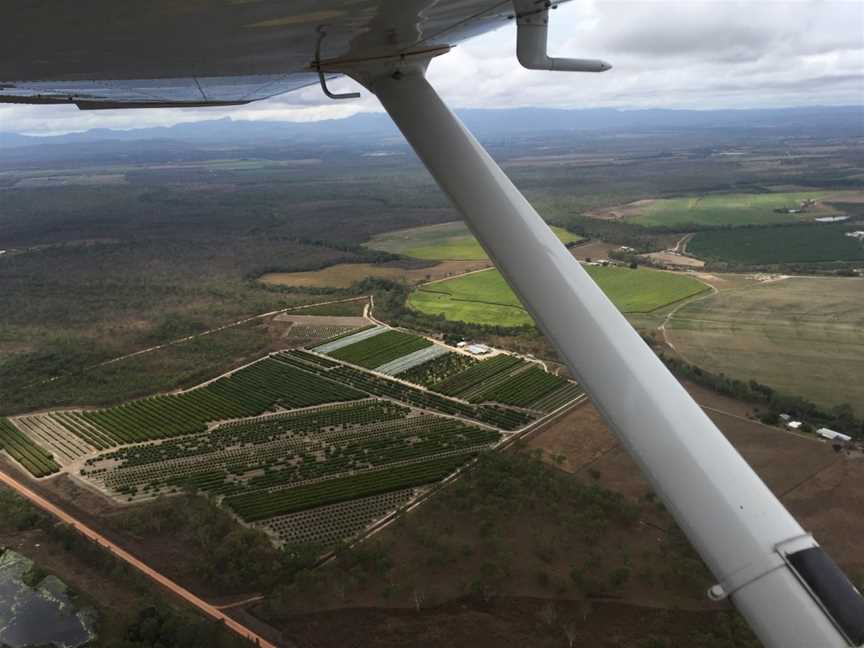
(165, 582)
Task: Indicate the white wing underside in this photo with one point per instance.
(108, 54)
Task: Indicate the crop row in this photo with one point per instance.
(36, 460)
(307, 331)
(258, 506)
(474, 394)
(45, 431)
(555, 399)
(247, 392)
(480, 372)
(438, 369)
(380, 386)
(335, 522)
(305, 360)
(523, 389)
(406, 362)
(348, 339)
(245, 469)
(380, 349)
(255, 432)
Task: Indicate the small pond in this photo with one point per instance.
(36, 610)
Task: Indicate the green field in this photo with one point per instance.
(445, 242)
(765, 245)
(485, 298)
(726, 209)
(802, 336)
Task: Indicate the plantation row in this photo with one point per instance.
(558, 397)
(350, 338)
(474, 393)
(438, 369)
(380, 386)
(256, 432)
(292, 460)
(258, 506)
(307, 331)
(336, 522)
(504, 379)
(45, 431)
(523, 389)
(247, 392)
(479, 373)
(38, 462)
(380, 349)
(406, 362)
(305, 360)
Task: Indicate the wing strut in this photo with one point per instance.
(743, 533)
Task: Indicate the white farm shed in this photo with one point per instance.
(831, 435)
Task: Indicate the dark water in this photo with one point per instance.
(38, 615)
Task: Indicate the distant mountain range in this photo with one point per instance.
(483, 122)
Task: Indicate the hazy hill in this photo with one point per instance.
(835, 120)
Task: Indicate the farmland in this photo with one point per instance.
(444, 242)
(246, 392)
(285, 463)
(438, 369)
(380, 349)
(800, 335)
(509, 380)
(39, 462)
(725, 209)
(778, 245)
(299, 443)
(485, 298)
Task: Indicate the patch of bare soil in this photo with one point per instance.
(87, 498)
(321, 320)
(621, 211)
(576, 440)
(593, 250)
(672, 258)
(830, 505)
(711, 399)
(780, 458)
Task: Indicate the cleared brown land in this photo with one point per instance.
(321, 320)
(671, 258)
(593, 250)
(622, 211)
(344, 274)
(831, 504)
(823, 489)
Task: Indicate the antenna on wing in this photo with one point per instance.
(532, 30)
(317, 65)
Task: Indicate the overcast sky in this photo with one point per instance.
(667, 54)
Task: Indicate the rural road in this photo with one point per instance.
(165, 582)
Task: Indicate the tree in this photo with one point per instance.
(571, 632)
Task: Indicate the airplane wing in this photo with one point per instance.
(170, 53)
(132, 53)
